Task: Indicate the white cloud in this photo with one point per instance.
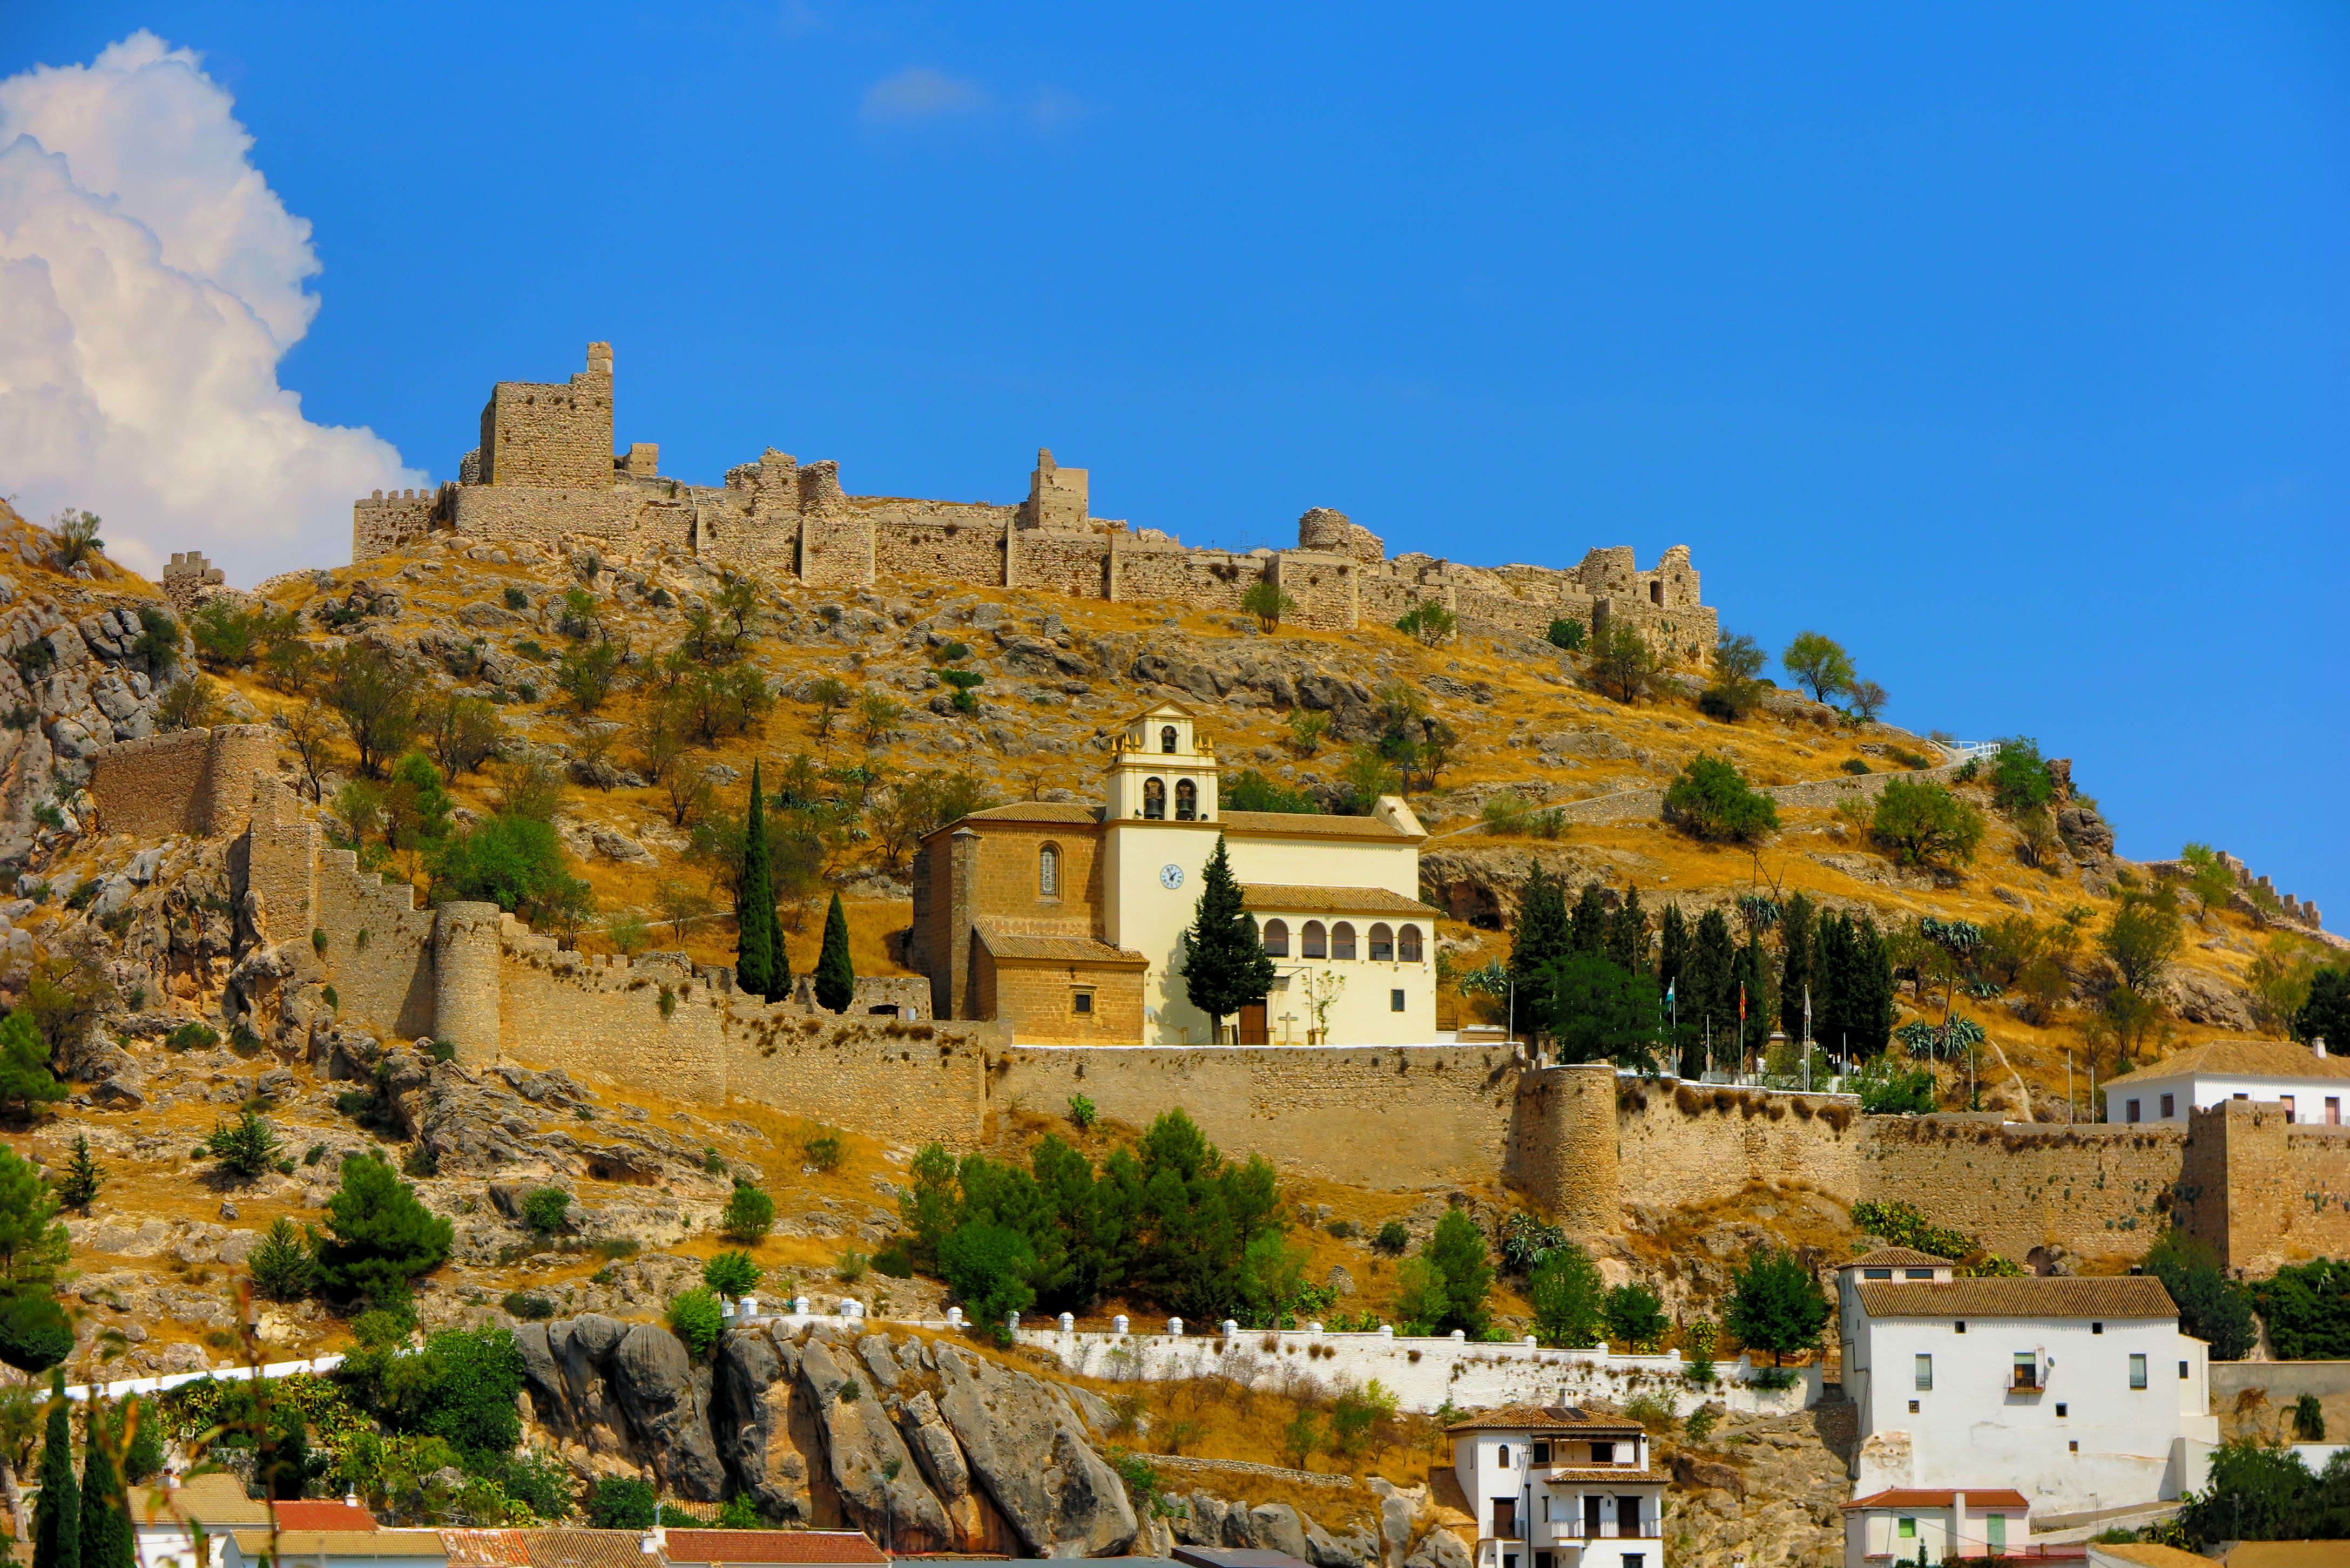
(918, 92)
(154, 281)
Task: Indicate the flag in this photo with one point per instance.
(1807, 1012)
(1669, 988)
(1741, 1002)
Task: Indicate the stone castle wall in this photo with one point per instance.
(195, 781)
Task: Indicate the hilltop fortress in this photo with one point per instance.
(547, 470)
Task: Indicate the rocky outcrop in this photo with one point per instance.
(764, 1438)
(880, 1489)
(626, 1391)
(1030, 1453)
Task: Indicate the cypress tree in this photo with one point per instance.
(1794, 964)
(836, 976)
(1709, 987)
(762, 967)
(1627, 935)
(1754, 975)
(1225, 967)
(1587, 927)
(1831, 977)
(1540, 939)
(1672, 947)
(106, 1537)
(56, 1517)
(1871, 988)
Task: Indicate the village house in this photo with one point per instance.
(1554, 1487)
(164, 1519)
(2307, 1082)
(2064, 1393)
(1910, 1524)
(1064, 920)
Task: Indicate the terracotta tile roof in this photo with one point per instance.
(1068, 811)
(1919, 1496)
(2288, 1554)
(1308, 825)
(494, 1548)
(2122, 1296)
(2242, 1058)
(1895, 1257)
(2148, 1555)
(1304, 899)
(297, 1543)
(1546, 1418)
(1006, 944)
(554, 1547)
(323, 1515)
(816, 1546)
(217, 1501)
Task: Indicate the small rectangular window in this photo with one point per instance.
(1082, 1002)
(2288, 1107)
(2096, 1328)
(2073, 1447)
(1875, 1273)
(2137, 1371)
(2183, 1373)
(2131, 1115)
(1962, 1326)
(2170, 1107)
(2027, 1370)
(1603, 1453)
(1913, 1407)
(1395, 1001)
(2243, 1096)
(1917, 1274)
(1541, 1457)
(1925, 1373)
(1909, 1529)
(2060, 1409)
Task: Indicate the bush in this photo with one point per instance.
(246, 1148)
(1392, 1239)
(1081, 1112)
(2308, 1306)
(694, 1317)
(1267, 603)
(822, 1149)
(1854, 765)
(749, 1215)
(1428, 621)
(1925, 825)
(730, 1275)
(528, 1305)
(2021, 778)
(34, 1332)
(516, 862)
(1886, 1091)
(1710, 799)
(621, 1502)
(545, 1209)
(1623, 664)
(26, 1082)
(2211, 1307)
(1250, 790)
(1566, 633)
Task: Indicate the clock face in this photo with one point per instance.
(1170, 877)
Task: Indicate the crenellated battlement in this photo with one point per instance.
(546, 469)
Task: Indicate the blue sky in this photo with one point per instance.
(2005, 343)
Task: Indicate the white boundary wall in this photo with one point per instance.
(1424, 1375)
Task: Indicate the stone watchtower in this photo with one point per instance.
(555, 437)
(1057, 496)
(465, 950)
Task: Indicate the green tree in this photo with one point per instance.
(2308, 1306)
(463, 731)
(377, 696)
(1710, 799)
(1709, 1001)
(987, 1267)
(1854, 1011)
(516, 862)
(381, 1237)
(26, 1082)
(1775, 1304)
(134, 1428)
(1458, 1250)
(285, 1265)
(2259, 1492)
(1623, 664)
(1925, 825)
(1423, 1297)
(749, 1214)
(57, 1515)
(1673, 950)
(1586, 923)
(1569, 1297)
(1735, 691)
(762, 966)
(246, 1148)
(2325, 1015)
(622, 1502)
(106, 1536)
(2211, 1307)
(83, 1178)
(2021, 778)
(1542, 937)
(546, 1210)
(730, 1275)
(416, 805)
(836, 974)
(1225, 966)
(1266, 601)
(694, 1317)
(1627, 934)
(1602, 1011)
(1819, 662)
(1428, 621)
(2142, 936)
(1636, 1318)
(1566, 633)
(1794, 964)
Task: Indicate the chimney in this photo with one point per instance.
(2317, 1044)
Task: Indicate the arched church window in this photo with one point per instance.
(1382, 944)
(1154, 799)
(1276, 939)
(1048, 871)
(1342, 940)
(1187, 800)
(1408, 944)
(1166, 739)
(1317, 940)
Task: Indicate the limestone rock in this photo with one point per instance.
(627, 1390)
(878, 1484)
(754, 1403)
(1059, 1496)
(1439, 1549)
(1275, 1527)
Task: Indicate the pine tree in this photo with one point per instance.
(1794, 964)
(1539, 940)
(762, 967)
(106, 1535)
(835, 975)
(1225, 967)
(84, 1175)
(56, 1517)
(1587, 927)
(1627, 935)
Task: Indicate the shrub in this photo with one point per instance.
(1250, 790)
(621, 1502)
(750, 1214)
(694, 1317)
(1392, 1239)
(528, 1305)
(26, 1082)
(1081, 1112)
(246, 1148)
(822, 1149)
(2020, 777)
(1710, 799)
(1854, 765)
(850, 1266)
(285, 1265)
(1887, 1091)
(1428, 621)
(966, 683)
(2308, 1306)
(34, 1332)
(730, 1275)
(516, 862)
(1623, 664)
(1925, 825)
(1267, 603)
(1566, 633)
(545, 1209)
(1700, 1422)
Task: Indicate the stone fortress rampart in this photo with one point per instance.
(546, 470)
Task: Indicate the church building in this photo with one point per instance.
(1064, 920)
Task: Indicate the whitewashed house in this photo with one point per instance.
(1892, 1526)
(164, 1519)
(2311, 1084)
(1554, 1487)
(2072, 1393)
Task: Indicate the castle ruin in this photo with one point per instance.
(546, 470)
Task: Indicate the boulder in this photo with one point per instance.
(880, 1489)
(1691, 1473)
(1275, 1527)
(1358, 1548)
(754, 1406)
(627, 1390)
(1059, 1497)
(1439, 1549)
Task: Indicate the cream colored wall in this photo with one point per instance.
(1363, 1011)
(1389, 864)
(1149, 917)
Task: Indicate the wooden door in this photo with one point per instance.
(1253, 1026)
